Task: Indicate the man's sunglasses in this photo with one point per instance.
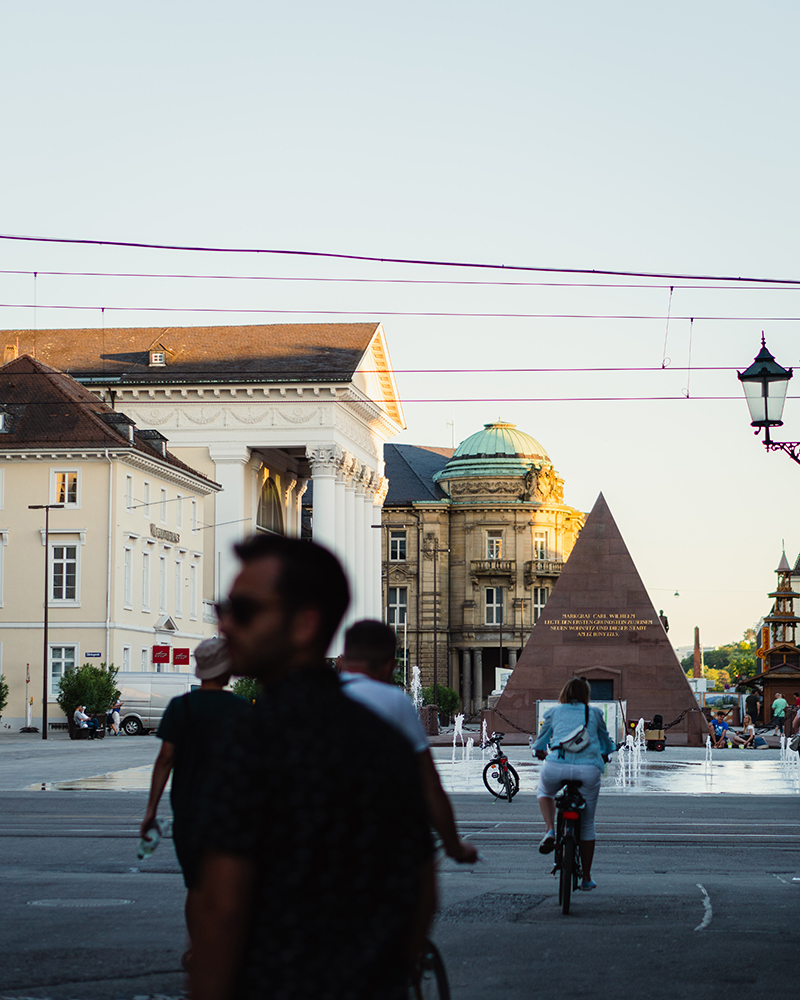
(241, 609)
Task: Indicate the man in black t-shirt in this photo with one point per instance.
(190, 733)
(317, 880)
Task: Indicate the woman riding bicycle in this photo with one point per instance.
(562, 724)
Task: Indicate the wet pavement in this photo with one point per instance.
(125, 765)
(681, 770)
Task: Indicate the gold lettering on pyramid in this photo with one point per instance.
(597, 624)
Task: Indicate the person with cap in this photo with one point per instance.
(191, 729)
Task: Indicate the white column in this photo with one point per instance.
(299, 493)
(229, 524)
(361, 527)
(324, 463)
(381, 486)
(289, 507)
(350, 539)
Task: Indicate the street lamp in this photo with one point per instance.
(46, 507)
(765, 383)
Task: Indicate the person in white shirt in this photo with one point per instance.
(366, 675)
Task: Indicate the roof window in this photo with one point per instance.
(158, 359)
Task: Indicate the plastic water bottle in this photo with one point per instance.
(149, 842)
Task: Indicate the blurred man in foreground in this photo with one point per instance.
(318, 880)
(369, 661)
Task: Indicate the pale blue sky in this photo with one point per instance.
(629, 136)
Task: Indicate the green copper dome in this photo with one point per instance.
(499, 450)
(501, 440)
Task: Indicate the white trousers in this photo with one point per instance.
(553, 775)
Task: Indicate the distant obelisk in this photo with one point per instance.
(600, 623)
(697, 669)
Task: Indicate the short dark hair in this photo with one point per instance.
(310, 577)
(576, 689)
(371, 642)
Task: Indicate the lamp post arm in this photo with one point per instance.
(792, 448)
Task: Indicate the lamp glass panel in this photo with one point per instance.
(776, 399)
(754, 394)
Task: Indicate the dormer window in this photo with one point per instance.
(158, 359)
(3, 422)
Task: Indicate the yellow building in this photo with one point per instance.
(473, 541)
(125, 543)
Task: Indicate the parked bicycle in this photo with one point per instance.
(429, 978)
(569, 803)
(499, 776)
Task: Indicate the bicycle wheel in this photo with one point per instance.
(511, 782)
(567, 873)
(430, 977)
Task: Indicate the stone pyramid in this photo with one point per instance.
(599, 623)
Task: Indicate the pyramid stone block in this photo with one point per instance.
(599, 623)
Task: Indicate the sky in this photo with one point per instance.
(622, 137)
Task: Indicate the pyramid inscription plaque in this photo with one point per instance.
(599, 623)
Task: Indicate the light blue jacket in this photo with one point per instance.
(561, 720)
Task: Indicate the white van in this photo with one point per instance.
(145, 696)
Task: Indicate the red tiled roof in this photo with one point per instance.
(45, 408)
(287, 352)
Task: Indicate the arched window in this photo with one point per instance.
(270, 514)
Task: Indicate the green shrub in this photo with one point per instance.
(89, 685)
(247, 687)
(3, 695)
(448, 701)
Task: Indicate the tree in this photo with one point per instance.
(248, 688)
(89, 685)
(3, 695)
(736, 659)
(447, 701)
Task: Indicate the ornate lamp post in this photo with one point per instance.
(46, 507)
(765, 383)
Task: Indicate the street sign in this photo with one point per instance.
(92, 654)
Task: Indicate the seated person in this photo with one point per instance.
(721, 732)
(80, 718)
(748, 734)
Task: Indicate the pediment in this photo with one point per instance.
(165, 624)
(375, 377)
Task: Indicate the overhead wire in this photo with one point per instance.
(639, 317)
(131, 244)
(390, 281)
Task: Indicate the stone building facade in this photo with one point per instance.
(265, 411)
(473, 541)
(124, 547)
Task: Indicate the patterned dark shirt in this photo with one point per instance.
(324, 798)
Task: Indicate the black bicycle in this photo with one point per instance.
(569, 804)
(429, 978)
(499, 776)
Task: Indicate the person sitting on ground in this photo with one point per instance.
(369, 660)
(748, 734)
(586, 766)
(720, 732)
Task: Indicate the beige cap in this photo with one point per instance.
(211, 659)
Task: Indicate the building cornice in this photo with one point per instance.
(131, 457)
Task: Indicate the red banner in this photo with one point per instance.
(160, 654)
(180, 656)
